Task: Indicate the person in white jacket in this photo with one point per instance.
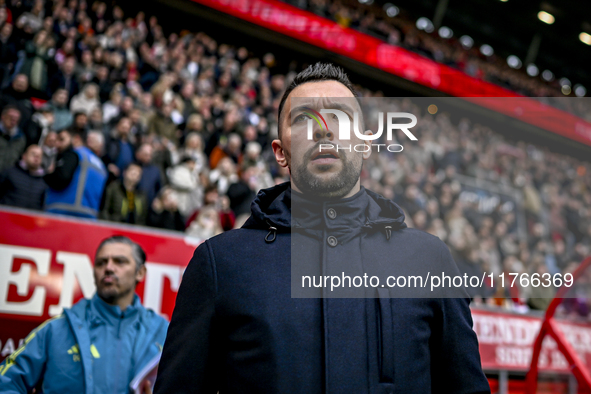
(187, 188)
(86, 101)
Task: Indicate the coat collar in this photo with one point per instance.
(282, 209)
(112, 313)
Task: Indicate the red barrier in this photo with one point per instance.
(321, 32)
(577, 365)
(506, 342)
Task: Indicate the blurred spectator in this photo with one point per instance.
(124, 202)
(65, 78)
(12, 140)
(151, 181)
(194, 149)
(50, 151)
(22, 185)
(86, 101)
(242, 192)
(80, 124)
(18, 95)
(206, 224)
(111, 107)
(31, 21)
(86, 69)
(185, 183)
(77, 182)
(120, 150)
(221, 205)
(62, 117)
(41, 124)
(224, 175)
(162, 125)
(232, 149)
(95, 141)
(138, 129)
(38, 53)
(187, 95)
(539, 297)
(7, 52)
(164, 212)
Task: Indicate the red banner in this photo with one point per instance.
(321, 32)
(46, 265)
(506, 342)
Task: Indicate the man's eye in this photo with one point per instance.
(301, 118)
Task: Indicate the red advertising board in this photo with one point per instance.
(506, 342)
(46, 265)
(324, 33)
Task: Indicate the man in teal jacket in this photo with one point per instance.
(98, 345)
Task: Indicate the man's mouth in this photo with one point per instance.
(325, 156)
(109, 280)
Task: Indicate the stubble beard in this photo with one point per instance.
(336, 186)
(111, 294)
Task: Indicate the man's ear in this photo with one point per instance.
(140, 275)
(367, 154)
(279, 153)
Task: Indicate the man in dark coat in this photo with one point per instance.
(22, 185)
(237, 327)
(19, 95)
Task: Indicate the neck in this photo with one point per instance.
(122, 302)
(129, 186)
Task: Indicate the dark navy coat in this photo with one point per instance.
(237, 329)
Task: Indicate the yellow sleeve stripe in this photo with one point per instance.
(10, 360)
(94, 351)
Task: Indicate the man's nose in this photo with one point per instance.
(110, 265)
(323, 134)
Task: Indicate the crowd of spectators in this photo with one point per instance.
(183, 126)
(401, 30)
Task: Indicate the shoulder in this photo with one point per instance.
(53, 325)
(78, 310)
(71, 154)
(414, 237)
(238, 242)
(231, 236)
(15, 170)
(153, 320)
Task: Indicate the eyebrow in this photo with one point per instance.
(336, 105)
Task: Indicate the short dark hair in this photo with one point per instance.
(74, 133)
(136, 250)
(133, 164)
(10, 107)
(316, 73)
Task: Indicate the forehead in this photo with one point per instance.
(115, 249)
(321, 89)
(319, 95)
(34, 150)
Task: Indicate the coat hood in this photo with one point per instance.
(271, 209)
